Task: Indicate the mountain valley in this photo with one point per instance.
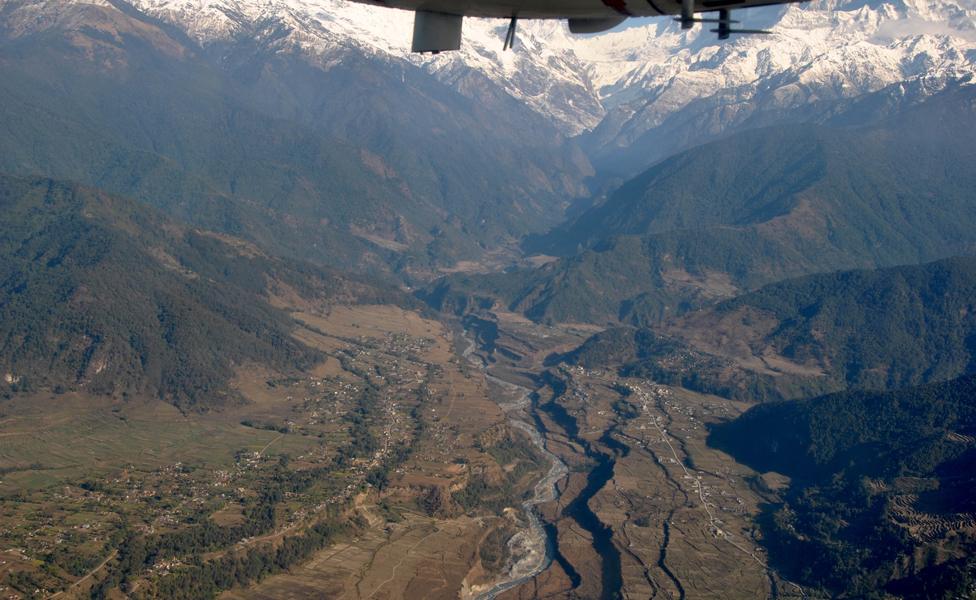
(287, 311)
(296, 160)
(777, 203)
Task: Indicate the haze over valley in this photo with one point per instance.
(289, 311)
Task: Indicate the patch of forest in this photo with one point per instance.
(105, 295)
(881, 488)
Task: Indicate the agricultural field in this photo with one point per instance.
(368, 455)
(648, 509)
(388, 470)
(682, 514)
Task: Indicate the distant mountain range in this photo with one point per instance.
(108, 296)
(753, 208)
(366, 164)
(648, 91)
(307, 127)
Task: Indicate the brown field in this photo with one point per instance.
(418, 557)
(371, 321)
(415, 556)
(133, 450)
(681, 513)
(59, 438)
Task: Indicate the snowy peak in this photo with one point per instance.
(847, 47)
(622, 84)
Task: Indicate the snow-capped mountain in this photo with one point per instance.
(544, 71)
(634, 94)
(664, 89)
(637, 77)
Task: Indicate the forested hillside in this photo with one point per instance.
(755, 208)
(881, 493)
(103, 294)
(881, 329)
(314, 161)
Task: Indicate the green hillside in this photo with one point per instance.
(882, 329)
(166, 132)
(874, 329)
(105, 295)
(318, 164)
(886, 174)
(881, 489)
(755, 208)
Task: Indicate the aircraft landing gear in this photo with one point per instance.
(436, 32)
(723, 23)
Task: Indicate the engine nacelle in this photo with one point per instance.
(594, 25)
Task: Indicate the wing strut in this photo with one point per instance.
(687, 14)
(510, 35)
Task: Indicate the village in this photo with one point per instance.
(356, 425)
(664, 473)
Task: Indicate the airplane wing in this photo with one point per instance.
(437, 25)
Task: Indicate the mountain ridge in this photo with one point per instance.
(644, 91)
(778, 202)
(109, 296)
(879, 500)
(326, 170)
(877, 330)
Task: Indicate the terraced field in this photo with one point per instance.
(385, 436)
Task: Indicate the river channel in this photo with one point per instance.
(534, 544)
